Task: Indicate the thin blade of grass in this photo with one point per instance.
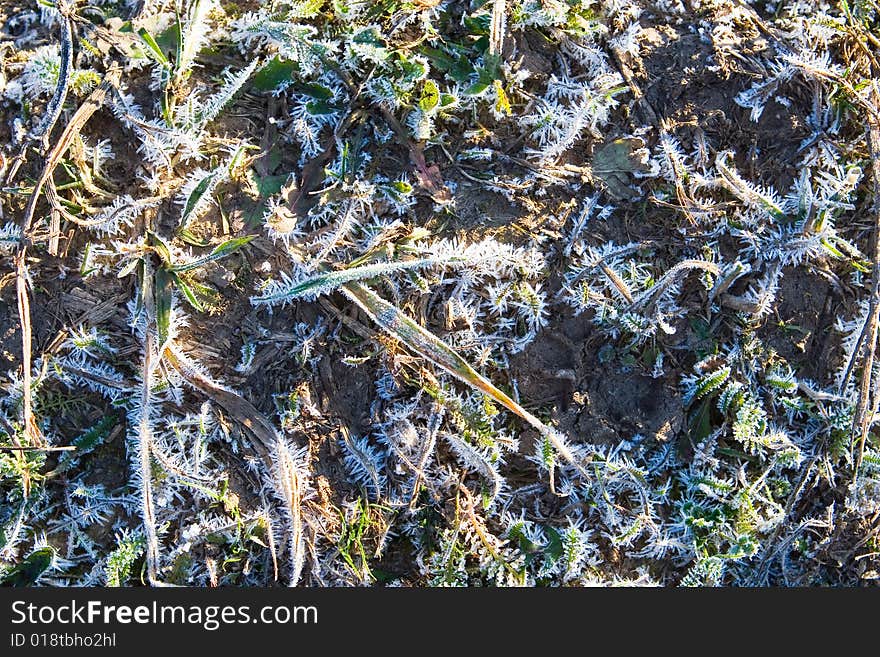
(429, 346)
(227, 248)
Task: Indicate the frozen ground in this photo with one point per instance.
(526, 292)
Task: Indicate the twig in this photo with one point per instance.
(145, 434)
(863, 418)
(77, 122)
(499, 25)
(79, 119)
(56, 105)
(55, 214)
(68, 448)
(31, 430)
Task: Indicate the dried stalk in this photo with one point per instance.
(863, 416)
(145, 434)
(56, 104)
(79, 119)
(499, 26)
(430, 347)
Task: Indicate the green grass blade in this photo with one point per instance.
(154, 48)
(188, 293)
(328, 281)
(163, 293)
(429, 346)
(227, 248)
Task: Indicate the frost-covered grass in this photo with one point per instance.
(279, 192)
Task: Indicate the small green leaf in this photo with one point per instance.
(276, 72)
(487, 74)
(430, 96)
(319, 107)
(163, 292)
(455, 64)
(188, 293)
(271, 185)
(700, 421)
(129, 267)
(88, 441)
(481, 24)
(554, 547)
(227, 248)
(196, 197)
(446, 100)
(154, 48)
(369, 36)
(168, 39)
(187, 236)
(315, 90)
(410, 70)
(28, 571)
(160, 246)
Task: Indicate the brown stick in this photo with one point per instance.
(77, 122)
(55, 214)
(145, 433)
(79, 119)
(863, 416)
(68, 448)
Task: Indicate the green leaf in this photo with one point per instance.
(430, 96)
(154, 48)
(94, 435)
(446, 100)
(237, 158)
(833, 250)
(188, 293)
(88, 441)
(187, 236)
(711, 382)
(481, 24)
(369, 36)
(227, 248)
(410, 70)
(129, 267)
(315, 90)
(492, 66)
(196, 197)
(328, 281)
(487, 74)
(168, 39)
(454, 61)
(700, 421)
(271, 185)
(119, 562)
(554, 547)
(28, 571)
(163, 291)
(462, 70)
(253, 211)
(276, 72)
(319, 107)
(160, 246)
